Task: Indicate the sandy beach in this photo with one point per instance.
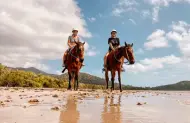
(62, 106)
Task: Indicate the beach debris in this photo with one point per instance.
(8, 97)
(6, 89)
(46, 95)
(33, 101)
(143, 96)
(139, 103)
(55, 95)
(2, 103)
(55, 108)
(7, 100)
(115, 105)
(97, 96)
(16, 88)
(80, 98)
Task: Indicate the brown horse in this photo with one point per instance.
(114, 63)
(73, 64)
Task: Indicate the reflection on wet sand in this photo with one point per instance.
(114, 113)
(70, 114)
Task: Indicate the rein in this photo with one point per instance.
(119, 61)
(72, 54)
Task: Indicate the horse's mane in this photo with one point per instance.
(118, 50)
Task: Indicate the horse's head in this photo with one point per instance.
(80, 47)
(128, 54)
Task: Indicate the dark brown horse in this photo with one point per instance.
(114, 63)
(73, 64)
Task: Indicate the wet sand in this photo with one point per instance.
(61, 106)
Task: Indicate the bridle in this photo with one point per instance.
(118, 60)
(72, 50)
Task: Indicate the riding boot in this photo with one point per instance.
(65, 60)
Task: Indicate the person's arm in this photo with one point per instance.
(118, 42)
(110, 44)
(69, 42)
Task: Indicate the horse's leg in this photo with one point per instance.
(69, 85)
(112, 79)
(76, 80)
(107, 78)
(119, 79)
(73, 80)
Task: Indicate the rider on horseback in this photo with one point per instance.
(114, 43)
(71, 43)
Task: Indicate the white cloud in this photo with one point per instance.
(92, 19)
(38, 31)
(165, 2)
(139, 51)
(180, 27)
(156, 40)
(58, 72)
(124, 6)
(133, 21)
(90, 50)
(153, 64)
(157, 4)
(145, 14)
(155, 14)
(181, 34)
(91, 53)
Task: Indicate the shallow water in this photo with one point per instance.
(94, 107)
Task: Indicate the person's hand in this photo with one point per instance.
(77, 59)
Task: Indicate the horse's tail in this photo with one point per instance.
(64, 69)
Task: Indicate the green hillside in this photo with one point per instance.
(32, 77)
(183, 85)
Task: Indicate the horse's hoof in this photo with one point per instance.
(69, 89)
(111, 89)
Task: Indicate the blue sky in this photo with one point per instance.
(159, 30)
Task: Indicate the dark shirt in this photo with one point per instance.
(114, 41)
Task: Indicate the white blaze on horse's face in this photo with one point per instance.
(129, 53)
(80, 47)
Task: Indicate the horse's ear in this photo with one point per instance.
(132, 45)
(125, 44)
(83, 43)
